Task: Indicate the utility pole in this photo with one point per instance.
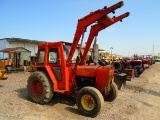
(111, 51)
(153, 50)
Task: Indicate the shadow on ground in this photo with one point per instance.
(63, 99)
(141, 89)
(58, 98)
(73, 110)
(22, 93)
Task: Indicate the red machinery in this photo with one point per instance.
(122, 74)
(136, 64)
(61, 68)
(151, 57)
(148, 59)
(102, 24)
(120, 78)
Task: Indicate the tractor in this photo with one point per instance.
(122, 74)
(136, 64)
(147, 60)
(61, 68)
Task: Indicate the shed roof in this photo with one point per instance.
(15, 49)
(22, 40)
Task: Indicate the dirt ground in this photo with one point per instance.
(139, 100)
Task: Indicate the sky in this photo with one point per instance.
(56, 20)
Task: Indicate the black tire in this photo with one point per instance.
(39, 87)
(136, 72)
(118, 66)
(92, 95)
(112, 94)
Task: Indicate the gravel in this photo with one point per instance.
(139, 100)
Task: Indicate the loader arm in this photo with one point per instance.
(102, 24)
(84, 22)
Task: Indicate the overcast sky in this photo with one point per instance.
(56, 20)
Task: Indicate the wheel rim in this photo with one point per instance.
(87, 102)
(37, 88)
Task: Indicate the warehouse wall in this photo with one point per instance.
(2, 44)
(33, 47)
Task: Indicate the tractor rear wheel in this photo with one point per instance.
(89, 101)
(113, 93)
(39, 87)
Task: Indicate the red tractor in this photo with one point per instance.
(122, 74)
(148, 59)
(61, 68)
(136, 64)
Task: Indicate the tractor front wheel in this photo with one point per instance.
(39, 87)
(89, 101)
(113, 93)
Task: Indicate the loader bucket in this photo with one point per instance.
(120, 79)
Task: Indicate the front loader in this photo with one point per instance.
(61, 68)
(119, 77)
